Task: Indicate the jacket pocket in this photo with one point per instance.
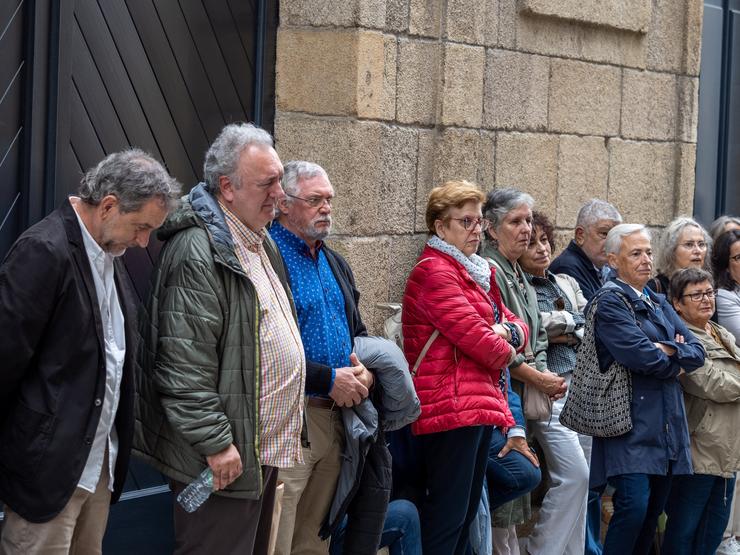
(24, 437)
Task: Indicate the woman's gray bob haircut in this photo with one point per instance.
(133, 177)
(222, 157)
(500, 202)
(295, 171)
(619, 232)
(595, 210)
(665, 262)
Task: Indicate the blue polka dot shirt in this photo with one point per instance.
(322, 319)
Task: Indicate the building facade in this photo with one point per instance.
(565, 100)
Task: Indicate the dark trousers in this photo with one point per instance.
(509, 477)
(698, 510)
(224, 525)
(638, 501)
(455, 463)
(401, 530)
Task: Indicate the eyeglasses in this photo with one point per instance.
(699, 295)
(469, 223)
(313, 202)
(690, 245)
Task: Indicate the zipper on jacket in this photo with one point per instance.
(257, 389)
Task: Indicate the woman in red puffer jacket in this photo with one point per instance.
(458, 339)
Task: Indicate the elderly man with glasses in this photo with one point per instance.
(329, 320)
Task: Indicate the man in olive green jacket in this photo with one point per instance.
(223, 369)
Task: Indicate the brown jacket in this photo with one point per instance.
(712, 395)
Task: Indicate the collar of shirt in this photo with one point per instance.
(533, 279)
(95, 253)
(637, 291)
(251, 240)
(292, 241)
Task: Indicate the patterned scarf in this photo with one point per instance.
(477, 267)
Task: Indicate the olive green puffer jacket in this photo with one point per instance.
(198, 386)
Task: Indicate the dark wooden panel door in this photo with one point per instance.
(163, 75)
(12, 80)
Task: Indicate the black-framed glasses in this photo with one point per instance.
(690, 245)
(471, 223)
(313, 202)
(699, 295)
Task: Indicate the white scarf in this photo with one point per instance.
(477, 267)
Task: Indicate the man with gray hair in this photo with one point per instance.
(68, 315)
(327, 306)
(584, 258)
(223, 364)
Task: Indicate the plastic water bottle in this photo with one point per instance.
(197, 491)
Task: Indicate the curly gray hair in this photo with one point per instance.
(665, 261)
(223, 155)
(133, 177)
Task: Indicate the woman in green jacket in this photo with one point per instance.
(510, 213)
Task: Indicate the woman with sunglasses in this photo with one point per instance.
(561, 526)
(458, 339)
(699, 504)
(683, 244)
(726, 264)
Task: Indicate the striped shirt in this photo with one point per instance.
(282, 363)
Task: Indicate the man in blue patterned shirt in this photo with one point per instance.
(326, 300)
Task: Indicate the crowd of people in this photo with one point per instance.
(250, 358)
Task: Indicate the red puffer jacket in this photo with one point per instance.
(458, 380)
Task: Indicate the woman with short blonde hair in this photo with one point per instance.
(458, 339)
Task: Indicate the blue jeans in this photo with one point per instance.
(508, 477)
(638, 501)
(593, 524)
(698, 510)
(401, 530)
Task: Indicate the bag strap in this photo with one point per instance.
(424, 352)
(431, 337)
(619, 294)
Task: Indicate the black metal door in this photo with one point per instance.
(718, 135)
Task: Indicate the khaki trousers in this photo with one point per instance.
(310, 487)
(77, 530)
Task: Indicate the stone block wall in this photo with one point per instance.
(566, 100)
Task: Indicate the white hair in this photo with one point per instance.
(617, 234)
